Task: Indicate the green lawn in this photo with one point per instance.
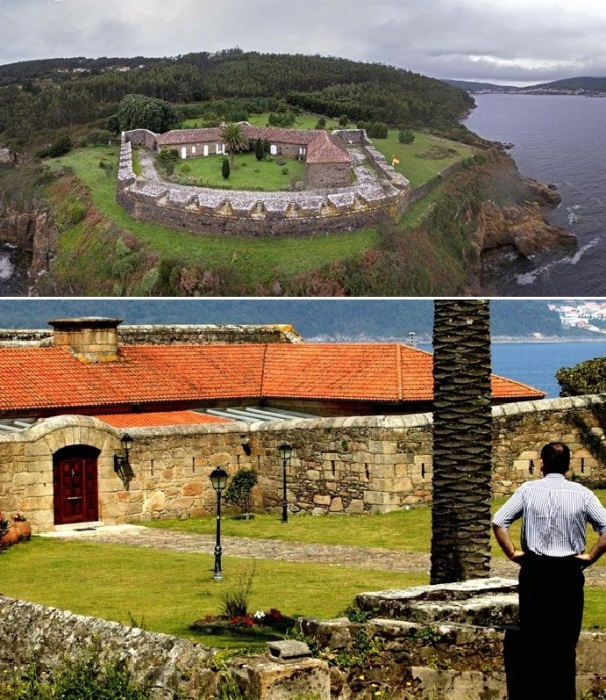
(247, 173)
(259, 258)
(167, 591)
(423, 159)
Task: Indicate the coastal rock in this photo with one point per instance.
(545, 195)
(523, 227)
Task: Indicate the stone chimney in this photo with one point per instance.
(89, 339)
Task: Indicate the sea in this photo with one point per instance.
(557, 139)
(535, 363)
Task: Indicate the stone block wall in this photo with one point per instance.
(339, 465)
(190, 334)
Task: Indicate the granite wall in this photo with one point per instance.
(340, 465)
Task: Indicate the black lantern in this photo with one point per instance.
(285, 451)
(122, 461)
(218, 479)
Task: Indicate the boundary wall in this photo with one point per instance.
(379, 195)
(349, 465)
(142, 334)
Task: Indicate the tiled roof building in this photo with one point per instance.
(88, 373)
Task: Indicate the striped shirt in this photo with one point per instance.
(554, 513)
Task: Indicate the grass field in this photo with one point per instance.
(166, 591)
(259, 258)
(247, 172)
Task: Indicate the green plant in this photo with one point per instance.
(235, 602)
(225, 168)
(240, 489)
(83, 678)
(426, 635)
(406, 136)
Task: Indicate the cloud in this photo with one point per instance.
(539, 40)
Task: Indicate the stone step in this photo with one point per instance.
(490, 602)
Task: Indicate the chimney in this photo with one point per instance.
(89, 339)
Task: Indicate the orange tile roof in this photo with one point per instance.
(155, 418)
(51, 378)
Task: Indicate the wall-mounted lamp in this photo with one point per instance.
(285, 451)
(245, 442)
(122, 461)
(218, 478)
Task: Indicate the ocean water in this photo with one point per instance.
(535, 363)
(557, 139)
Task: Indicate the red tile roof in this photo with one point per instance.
(323, 149)
(155, 418)
(51, 378)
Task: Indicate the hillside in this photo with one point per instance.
(39, 97)
(394, 318)
(582, 85)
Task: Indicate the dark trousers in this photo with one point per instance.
(551, 614)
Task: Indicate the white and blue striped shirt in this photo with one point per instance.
(554, 513)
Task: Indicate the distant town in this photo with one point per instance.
(585, 315)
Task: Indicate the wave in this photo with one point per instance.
(530, 277)
(6, 268)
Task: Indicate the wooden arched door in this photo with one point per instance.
(75, 488)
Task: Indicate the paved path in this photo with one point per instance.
(333, 555)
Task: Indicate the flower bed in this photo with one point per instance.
(271, 621)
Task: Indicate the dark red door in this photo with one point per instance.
(75, 489)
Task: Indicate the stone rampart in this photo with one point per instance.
(371, 200)
(339, 465)
(193, 334)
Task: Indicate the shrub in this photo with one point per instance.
(406, 136)
(240, 489)
(585, 378)
(225, 168)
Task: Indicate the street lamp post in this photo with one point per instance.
(218, 479)
(285, 451)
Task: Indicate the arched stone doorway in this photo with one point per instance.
(75, 487)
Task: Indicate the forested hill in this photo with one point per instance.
(350, 319)
(56, 93)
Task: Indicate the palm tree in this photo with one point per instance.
(235, 140)
(462, 441)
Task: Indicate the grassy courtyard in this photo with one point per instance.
(270, 174)
(165, 591)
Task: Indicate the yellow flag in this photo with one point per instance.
(395, 161)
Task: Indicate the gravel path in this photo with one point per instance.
(333, 555)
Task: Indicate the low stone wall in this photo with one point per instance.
(396, 657)
(48, 635)
(191, 334)
(352, 465)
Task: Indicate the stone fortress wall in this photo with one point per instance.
(379, 194)
(372, 464)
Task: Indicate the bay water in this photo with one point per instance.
(559, 139)
(535, 363)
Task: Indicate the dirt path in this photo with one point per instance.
(333, 555)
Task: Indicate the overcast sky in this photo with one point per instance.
(514, 41)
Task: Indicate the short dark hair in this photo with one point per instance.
(556, 458)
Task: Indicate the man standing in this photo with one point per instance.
(554, 513)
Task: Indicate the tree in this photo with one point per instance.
(406, 136)
(462, 441)
(142, 112)
(240, 490)
(235, 140)
(587, 377)
(259, 151)
(225, 168)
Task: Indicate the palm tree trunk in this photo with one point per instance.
(462, 441)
